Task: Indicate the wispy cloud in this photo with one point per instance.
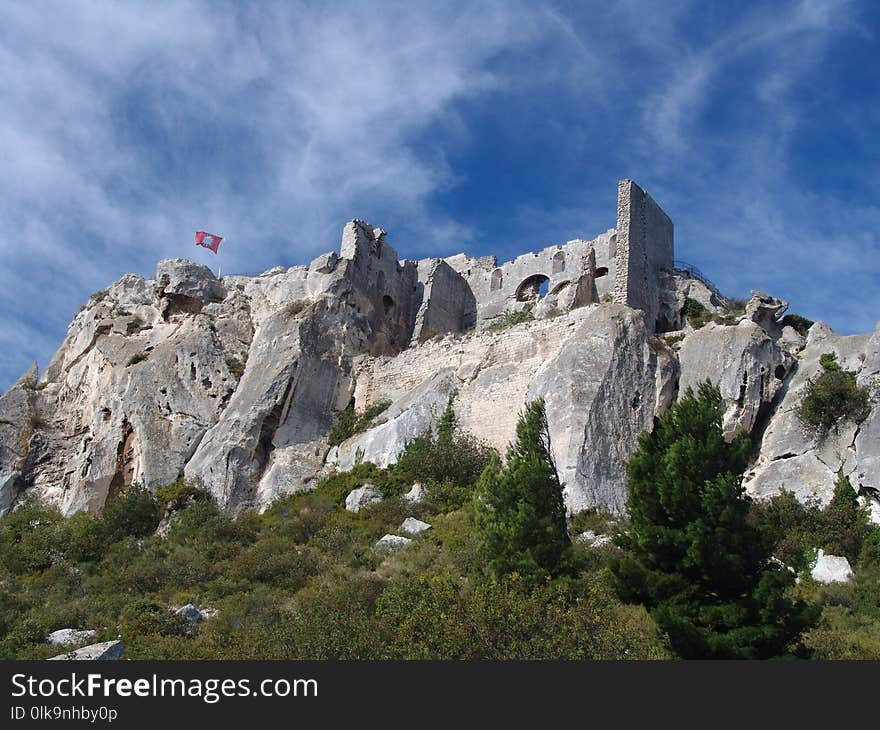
(480, 126)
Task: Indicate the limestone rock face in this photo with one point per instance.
(597, 367)
(791, 459)
(18, 418)
(743, 361)
(236, 382)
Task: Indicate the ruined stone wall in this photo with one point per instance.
(447, 305)
(644, 249)
(502, 288)
(386, 292)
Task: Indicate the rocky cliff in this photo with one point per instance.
(237, 381)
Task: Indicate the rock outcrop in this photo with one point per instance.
(236, 382)
(792, 459)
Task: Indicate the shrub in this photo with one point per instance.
(439, 616)
(236, 367)
(509, 319)
(136, 358)
(133, 512)
(348, 423)
(869, 558)
(177, 495)
(451, 461)
(844, 523)
(831, 397)
(788, 527)
(143, 617)
(295, 307)
(696, 314)
(801, 324)
(29, 537)
(84, 537)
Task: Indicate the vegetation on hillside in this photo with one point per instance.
(302, 579)
(703, 571)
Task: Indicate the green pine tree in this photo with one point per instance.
(844, 523)
(696, 563)
(520, 511)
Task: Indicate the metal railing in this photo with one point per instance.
(695, 273)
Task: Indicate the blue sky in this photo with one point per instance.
(481, 127)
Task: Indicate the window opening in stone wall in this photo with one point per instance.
(497, 279)
(558, 262)
(533, 287)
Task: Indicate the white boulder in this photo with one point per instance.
(391, 543)
(831, 569)
(68, 637)
(104, 650)
(190, 612)
(412, 526)
(363, 496)
(416, 493)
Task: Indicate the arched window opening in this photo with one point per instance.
(533, 287)
(497, 280)
(558, 262)
(601, 271)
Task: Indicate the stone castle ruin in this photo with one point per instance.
(236, 382)
(463, 293)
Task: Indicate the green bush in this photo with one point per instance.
(29, 537)
(177, 495)
(509, 319)
(831, 397)
(136, 358)
(295, 307)
(235, 366)
(695, 313)
(844, 523)
(134, 512)
(801, 324)
(144, 618)
(348, 423)
(442, 617)
(789, 527)
(450, 461)
(869, 557)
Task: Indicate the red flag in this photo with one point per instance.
(208, 240)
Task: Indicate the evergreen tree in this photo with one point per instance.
(844, 523)
(696, 563)
(520, 511)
